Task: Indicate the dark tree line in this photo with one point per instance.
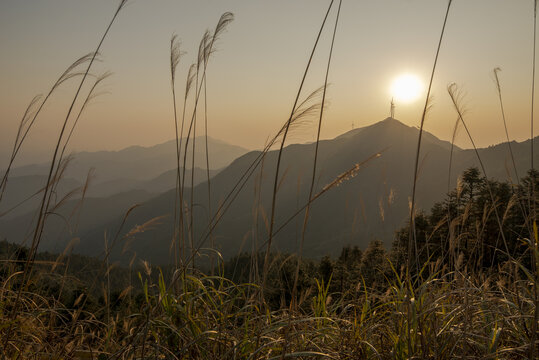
(468, 229)
(465, 230)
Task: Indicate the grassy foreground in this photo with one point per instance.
(463, 286)
(454, 314)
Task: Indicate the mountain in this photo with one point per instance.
(157, 185)
(137, 163)
(73, 218)
(370, 205)
(24, 193)
(150, 169)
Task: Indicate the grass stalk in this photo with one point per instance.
(283, 140)
(345, 176)
(412, 236)
(496, 71)
(208, 167)
(192, 197)
(206, 48)
(533, 209)
(175, 55)
(455, 98)
(418, 149)
(46, 194)
(304, 110)
(315, 161)
(534, 57)
(29, 118)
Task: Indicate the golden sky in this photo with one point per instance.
(253, 78)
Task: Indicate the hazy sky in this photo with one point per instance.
(253, 78)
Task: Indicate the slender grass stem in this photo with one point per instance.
(175, 54)
(513, 162)
(283, 140)
(208, 166)
(532, 110)
(412, 236)
(502, 110)
(302, 111)
(206, 48)
(315, 161)
(47, 194)
(453, 92)
(533, 210)
(418, 150)
(27, 124)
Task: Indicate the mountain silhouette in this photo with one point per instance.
(371, 205)
(137, 163)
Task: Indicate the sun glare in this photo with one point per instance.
(406, 88)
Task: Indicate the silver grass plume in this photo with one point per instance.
(190, 78)
(456, 97)
(203, 49)
(175, 55)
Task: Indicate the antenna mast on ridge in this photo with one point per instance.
(392, 109)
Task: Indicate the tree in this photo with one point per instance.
(467, 224)
(346, 272)
(373, 267)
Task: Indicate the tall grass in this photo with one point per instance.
(206, 48)
(283, 140)
(456, 97)
(30, 115)
(422, 123)
(442, 311)
(175, 55)
(496, 71)
(455, 314)
(534, 57)
(315, 161)
(412, 241)
(533, 210)
(56, 161)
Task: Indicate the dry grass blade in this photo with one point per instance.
(495, 72)
(456, 98)
(47, 195)
(191, 74)
(204, 49)
(28, 113)
(175, 55)
(26, 124)
(299, 119)
(412, 240)
(148, 225)
(283, 140)
(92, 94)
(345, 176)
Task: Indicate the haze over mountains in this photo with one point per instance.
(147, 169)
(371, 205)
(137, 162)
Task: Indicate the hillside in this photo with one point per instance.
(137, 163)
(371, 205)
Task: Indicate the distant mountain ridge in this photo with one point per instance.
(371, 205)
(137, 162)
(22, 191)
(150, 169)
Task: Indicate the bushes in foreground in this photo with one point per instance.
(451, 314)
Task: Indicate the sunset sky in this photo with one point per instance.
(253, 78)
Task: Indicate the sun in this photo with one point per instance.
(406, 88)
